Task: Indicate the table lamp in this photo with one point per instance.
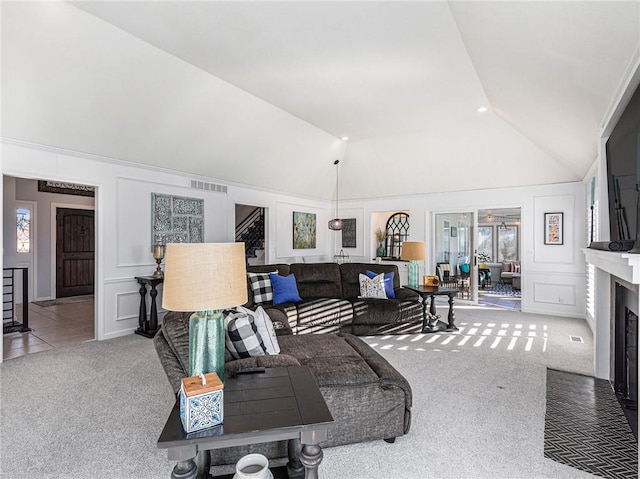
(413, 251)
(205, 278)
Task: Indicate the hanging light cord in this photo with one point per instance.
(337, 185)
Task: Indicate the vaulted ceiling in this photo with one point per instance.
(403, 80)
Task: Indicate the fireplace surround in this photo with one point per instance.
(616, 284)
(624, 357)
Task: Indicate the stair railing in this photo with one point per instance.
(9, 322)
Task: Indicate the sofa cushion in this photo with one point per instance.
(330, 358)
(285, 289)
(322, 315)
(317, 280)
(389, 311)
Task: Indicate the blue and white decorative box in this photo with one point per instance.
(201, 402)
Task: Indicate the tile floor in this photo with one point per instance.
(51, 327)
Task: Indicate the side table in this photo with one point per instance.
(148, 327)
(273, 404)
(433, 326)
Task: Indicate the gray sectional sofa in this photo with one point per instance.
(368, 398)
(330, 301)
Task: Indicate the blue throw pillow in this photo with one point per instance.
(388, 282)
(285, 289)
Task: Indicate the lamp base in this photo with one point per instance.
(206, 343)
(158, 273)
(413, 270)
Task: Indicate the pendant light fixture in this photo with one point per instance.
(336, 223)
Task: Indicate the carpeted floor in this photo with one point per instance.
(96, 409)
(586, 428)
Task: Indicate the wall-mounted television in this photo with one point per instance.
(623, 174)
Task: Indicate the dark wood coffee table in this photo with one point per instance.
(274, 405)
(435, 325)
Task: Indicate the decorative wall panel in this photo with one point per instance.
(176, 219)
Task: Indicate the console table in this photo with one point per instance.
(435, 325)
(272, 404)
(148, 327)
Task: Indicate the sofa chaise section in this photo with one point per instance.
(367, 397)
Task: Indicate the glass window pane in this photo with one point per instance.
(23, 222)
(507, 243)
(485, 244)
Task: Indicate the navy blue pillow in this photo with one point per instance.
(285, 289)
(388, 282)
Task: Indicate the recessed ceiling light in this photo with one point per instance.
(345, 138)
(482, 109)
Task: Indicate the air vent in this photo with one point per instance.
(576, 339)
(203, 185)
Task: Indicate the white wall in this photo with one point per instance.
(553, 277)
(123, 220)
(73, 81)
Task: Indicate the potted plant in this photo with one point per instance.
(484, 258)
(380, 237)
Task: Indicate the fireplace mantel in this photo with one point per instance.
(622, 265)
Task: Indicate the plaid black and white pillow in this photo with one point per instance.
(261, 287)
(241, 335)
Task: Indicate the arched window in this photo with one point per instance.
(397, 232)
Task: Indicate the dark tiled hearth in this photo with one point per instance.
(586, 428)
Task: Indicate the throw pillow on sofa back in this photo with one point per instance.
(242, 339)
(388, 282)
(265, 328)
(285, 289)
(372, 288)
(261, 287)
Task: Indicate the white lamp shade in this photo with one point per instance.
(413, 250)
(204, 276)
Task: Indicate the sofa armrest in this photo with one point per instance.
(267, 361)
(406, 294)
(281, 316)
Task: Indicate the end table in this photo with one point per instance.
(148, 327)
(433, 326)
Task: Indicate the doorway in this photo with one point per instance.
(250, 230)
(75, 252)
(57, 317)
(454, 246)
(499, 262)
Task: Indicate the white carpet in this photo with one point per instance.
(95, 410)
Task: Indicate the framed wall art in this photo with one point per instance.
(304, 230)
(349, 233)
(554, 228)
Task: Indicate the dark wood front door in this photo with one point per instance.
(75, 252)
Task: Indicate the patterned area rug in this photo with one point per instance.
(586, 428)
(504, 289)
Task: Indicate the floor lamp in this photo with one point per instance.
(413, 251)
(205, 278)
